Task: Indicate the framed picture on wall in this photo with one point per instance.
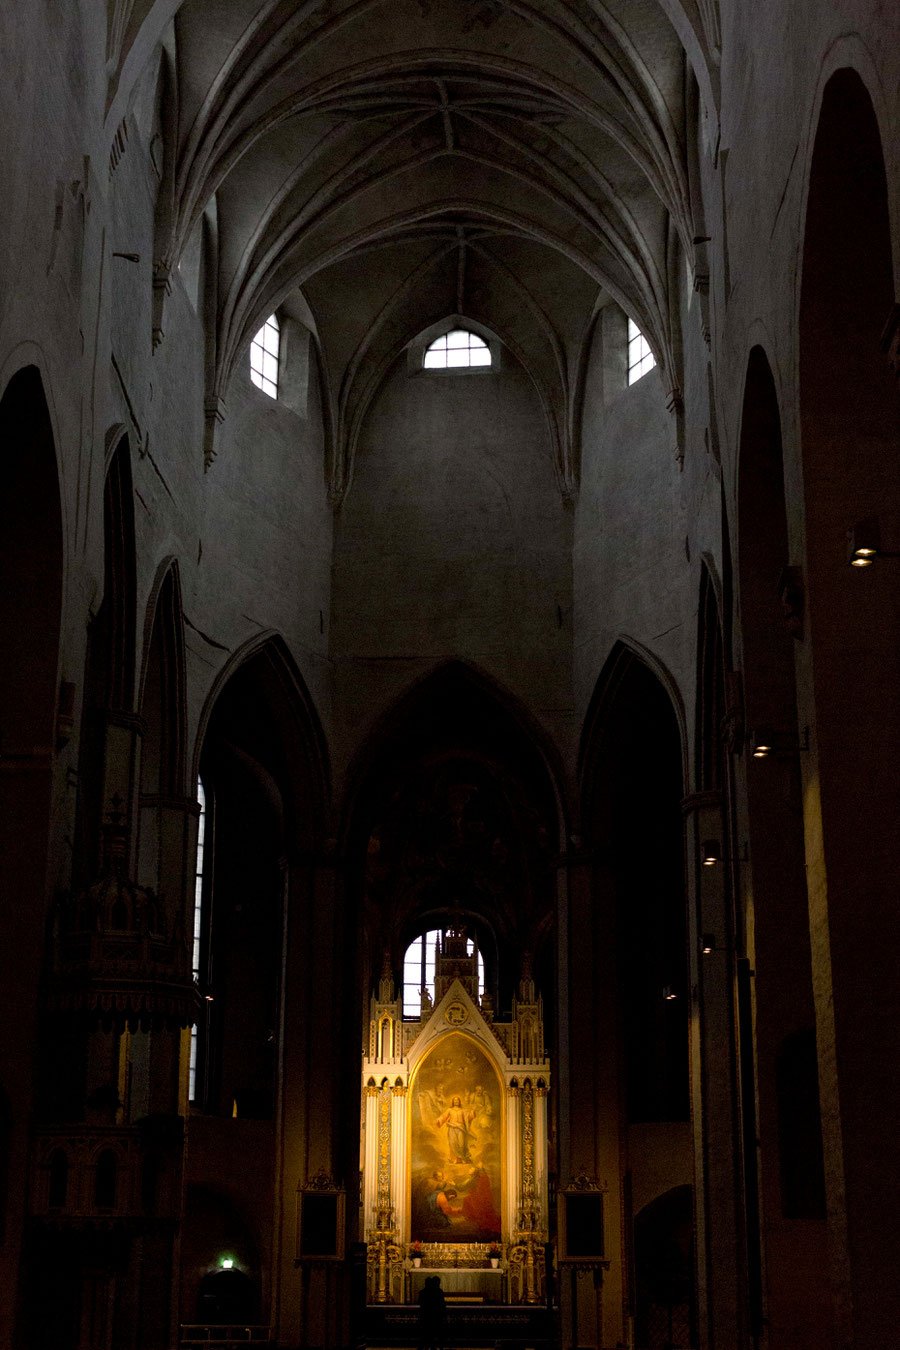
(321, 1207)
(580, 1221)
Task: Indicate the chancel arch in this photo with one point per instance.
(453, 818)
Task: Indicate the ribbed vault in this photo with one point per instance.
(516, 161)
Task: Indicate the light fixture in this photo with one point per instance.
(764, 742)
(708, 945)
(864, 543)
(226, 1263)
(713, 855)
(668, 993)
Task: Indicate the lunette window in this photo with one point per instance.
(456, 350)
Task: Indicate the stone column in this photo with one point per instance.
(588, 1068)
(715, 1107)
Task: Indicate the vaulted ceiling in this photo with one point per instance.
(515, 162)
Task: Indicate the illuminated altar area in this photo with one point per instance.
(454, 1153)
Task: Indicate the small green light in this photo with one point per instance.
(226, 1263)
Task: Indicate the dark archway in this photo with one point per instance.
(107, 749)
(665, 1312)
(633, 782)
(627, 959)
(850, 422)
(774, 885)
(31, 585)
(263, 773)
(263, 764)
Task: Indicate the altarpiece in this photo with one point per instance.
(454, 1140)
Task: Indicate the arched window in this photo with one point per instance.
(264, 350)
(418, 970)
(640, 357)
(456, 350)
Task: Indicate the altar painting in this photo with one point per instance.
(456, 1130)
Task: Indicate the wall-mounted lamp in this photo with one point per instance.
(864, 543)
(713, 855)
(668, 993)
(764, 742)
(226, 1263)
(708, 944)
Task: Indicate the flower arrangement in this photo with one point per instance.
(494, 1249)
(415, 1248)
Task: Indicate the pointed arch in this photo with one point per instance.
(163, 687)
(441, 681)
(632, 781)
(110, 661)
(619, 664)
(266, 659)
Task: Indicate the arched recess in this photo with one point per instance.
(266, 954)
(162, 762)
(31, 587)
(628, 986)
(453, 814)
(216, 1229)
(774, 903)
(665, 1305)
(849, 422)
(264, 775)
(632, 786)
(106, 759)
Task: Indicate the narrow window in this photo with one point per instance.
(640, 357)
(418, 971)
(264, 351)
(456, 350)
(198, 925)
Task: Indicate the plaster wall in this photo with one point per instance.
(454, 541)
(630, 566)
